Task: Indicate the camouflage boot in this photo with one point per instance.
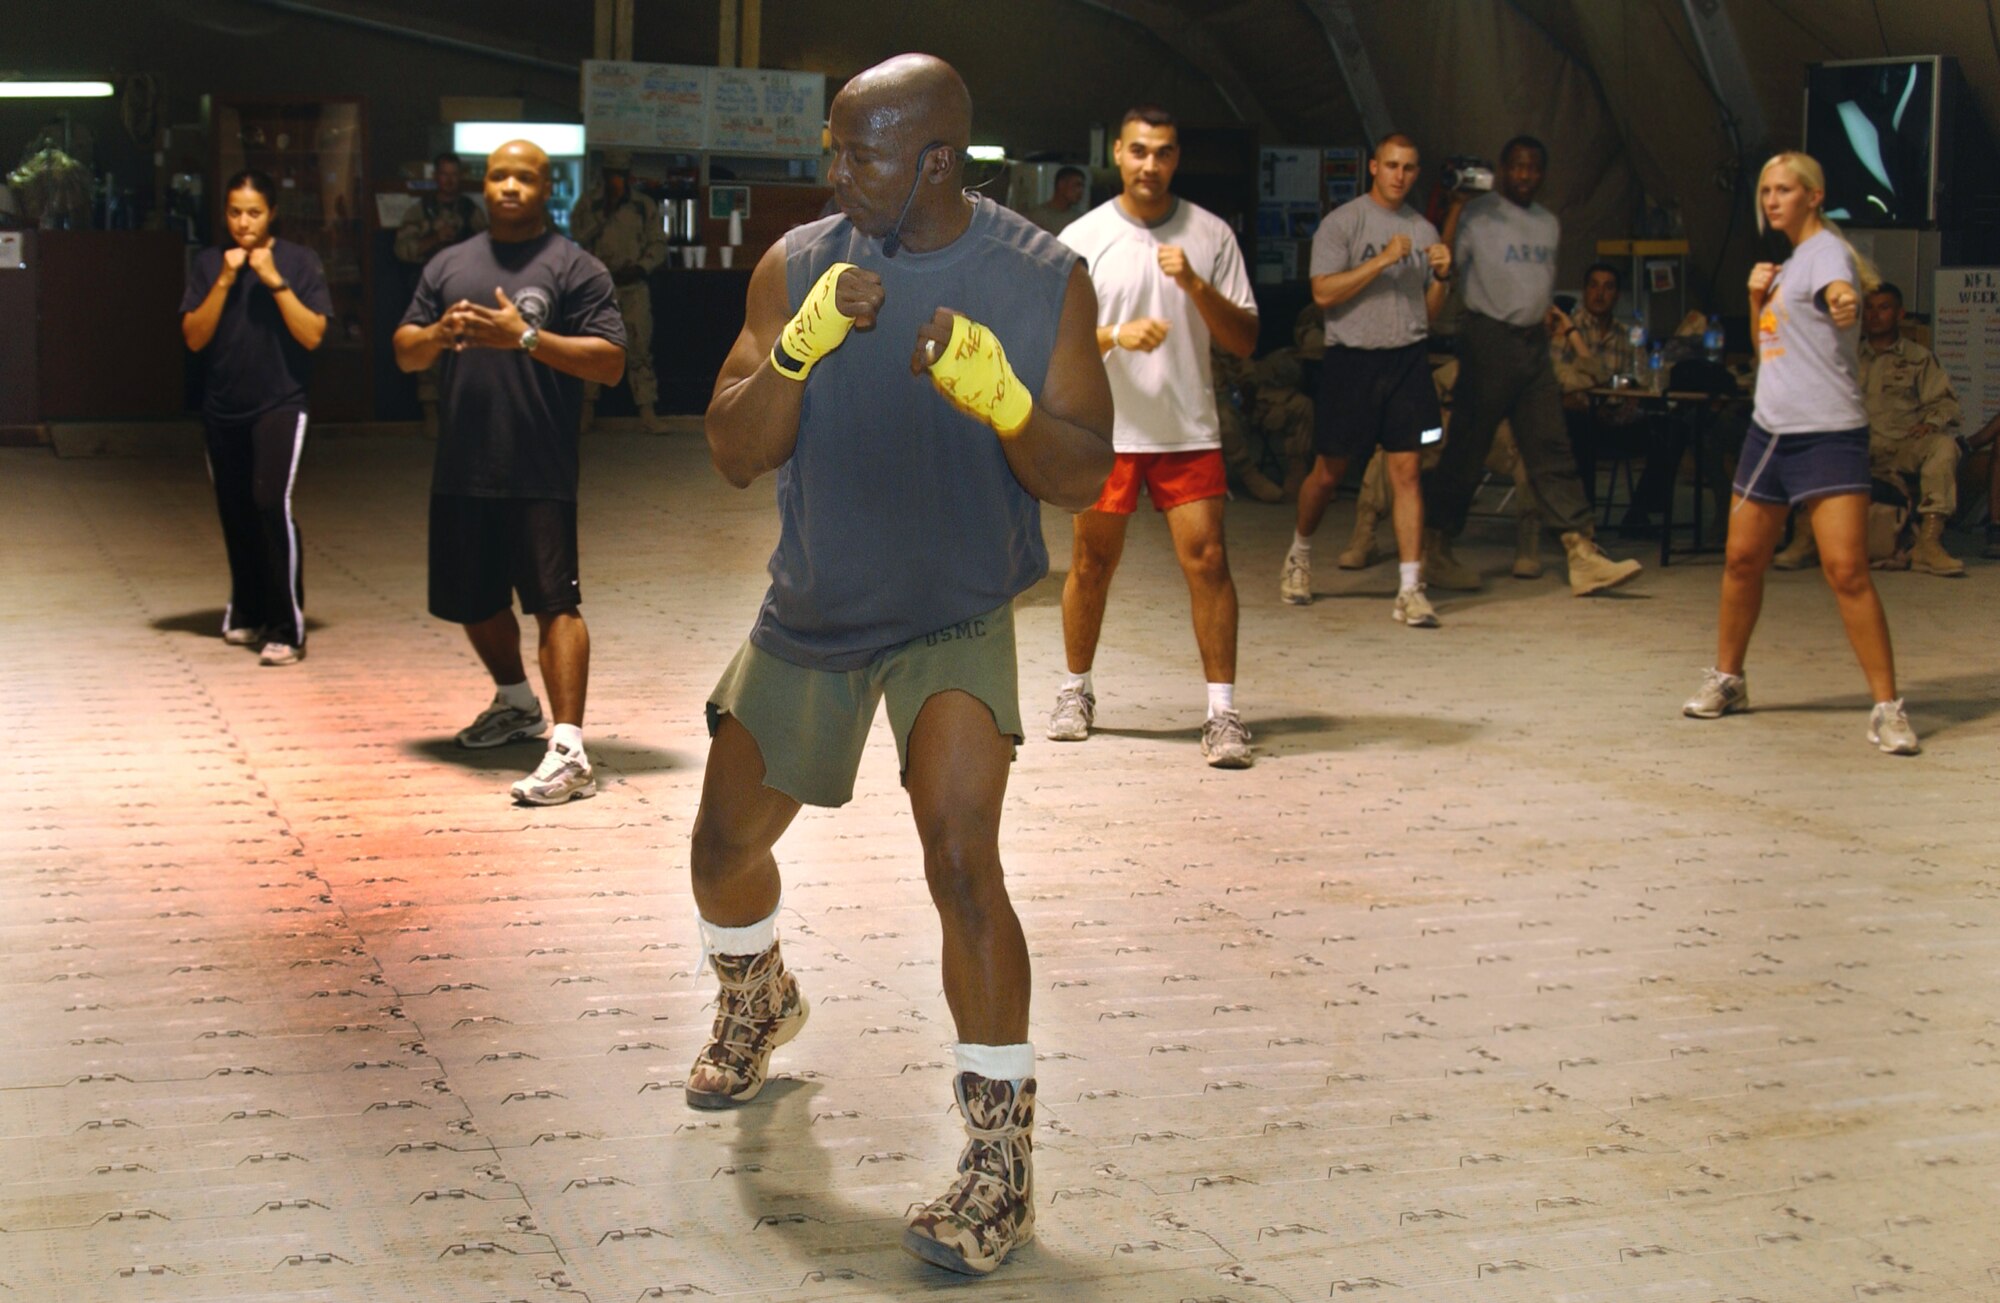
(758, 1009)
(990, 1209)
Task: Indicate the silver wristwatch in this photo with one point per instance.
(530, 339)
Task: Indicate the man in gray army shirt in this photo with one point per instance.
(1505, 248)
(1381, 273)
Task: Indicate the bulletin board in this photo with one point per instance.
(1965, 335)
(687, 107)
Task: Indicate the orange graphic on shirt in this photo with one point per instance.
(1767, 330)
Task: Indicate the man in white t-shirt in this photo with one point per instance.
(1169, 280)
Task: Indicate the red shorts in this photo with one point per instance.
(1171, 478)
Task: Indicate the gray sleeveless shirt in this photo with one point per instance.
(898, 514)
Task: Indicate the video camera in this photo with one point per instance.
(1466, 173)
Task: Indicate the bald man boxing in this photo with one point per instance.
(921, 370)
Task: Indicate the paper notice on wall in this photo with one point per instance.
(1965, 335)
(12, 251)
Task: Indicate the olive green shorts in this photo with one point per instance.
(812, 724)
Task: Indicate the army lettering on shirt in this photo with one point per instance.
(1390, 312)
(1507, 255)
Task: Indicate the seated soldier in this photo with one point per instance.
(1912, 420)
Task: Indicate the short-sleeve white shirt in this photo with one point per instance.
(1164, 400)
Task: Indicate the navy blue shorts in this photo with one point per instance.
(484, 550)
(1794, 468)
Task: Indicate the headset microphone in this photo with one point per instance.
(894, 239)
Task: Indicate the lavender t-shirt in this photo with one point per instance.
(1808, 378)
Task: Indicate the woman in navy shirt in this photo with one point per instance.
(255, 309)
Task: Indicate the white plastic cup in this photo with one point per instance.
(700, 255)
(728, 257)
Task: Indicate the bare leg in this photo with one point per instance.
(735, 876)
(1407, 504)
(957, 782)
(1840, 526)
(565, 658)
(1197, 531)
(1100, 542)
(497, 639)
(1754, 530)
(1321, 483)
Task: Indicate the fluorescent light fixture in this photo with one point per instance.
(54, 90)
(557, 139)
(987, 153)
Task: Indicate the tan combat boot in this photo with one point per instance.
(1929, 556)
(758, 1009)
(990, 1209)
(1443, 570)
(1359, 553)
(1801, 551)
(1590, 571)
(1528, 545)
(651, 421)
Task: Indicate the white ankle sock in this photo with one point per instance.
(997, 1062)
(1407, 571)
(1302, 547)
(1221, 698)
(1081, 682)
(518, 695)
(750, 939)
(567, 736)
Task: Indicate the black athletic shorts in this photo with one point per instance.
(484, 550)
(1374, 397)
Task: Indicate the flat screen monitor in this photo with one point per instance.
(1873, 126)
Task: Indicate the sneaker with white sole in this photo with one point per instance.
(1889, 729)
(1071, 719)
(1721, 694)
(280, 653)
(1225, 743)
(247, 636)
(1414, 609)
(1295, 585)
(563, 775)
(500, 724)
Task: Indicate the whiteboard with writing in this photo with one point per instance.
(685, 106)
(1965, 335)
(644, 105)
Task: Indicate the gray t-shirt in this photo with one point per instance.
(898, 514)
(1389, 313)
(1808, 378)
(1507, 255)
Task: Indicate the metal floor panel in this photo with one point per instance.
(1494, 980)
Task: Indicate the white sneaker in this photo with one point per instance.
(1070, 720)
(563, 775)
(1414, 609)
(1889, 729)
(281, 653)
(243, 637)
(1721, 694)
(500, 724)
(1225, 743)
(1295, 585)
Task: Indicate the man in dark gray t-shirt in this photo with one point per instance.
(521, 317)
(919, 369)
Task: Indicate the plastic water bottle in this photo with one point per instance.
(1656, 368)
(1711, 340)
(1636, 334)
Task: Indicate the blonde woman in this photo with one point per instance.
(1807, 447)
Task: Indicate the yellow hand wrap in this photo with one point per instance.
(972, 373)
(815, 330)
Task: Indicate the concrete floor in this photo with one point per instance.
(1493, 980)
